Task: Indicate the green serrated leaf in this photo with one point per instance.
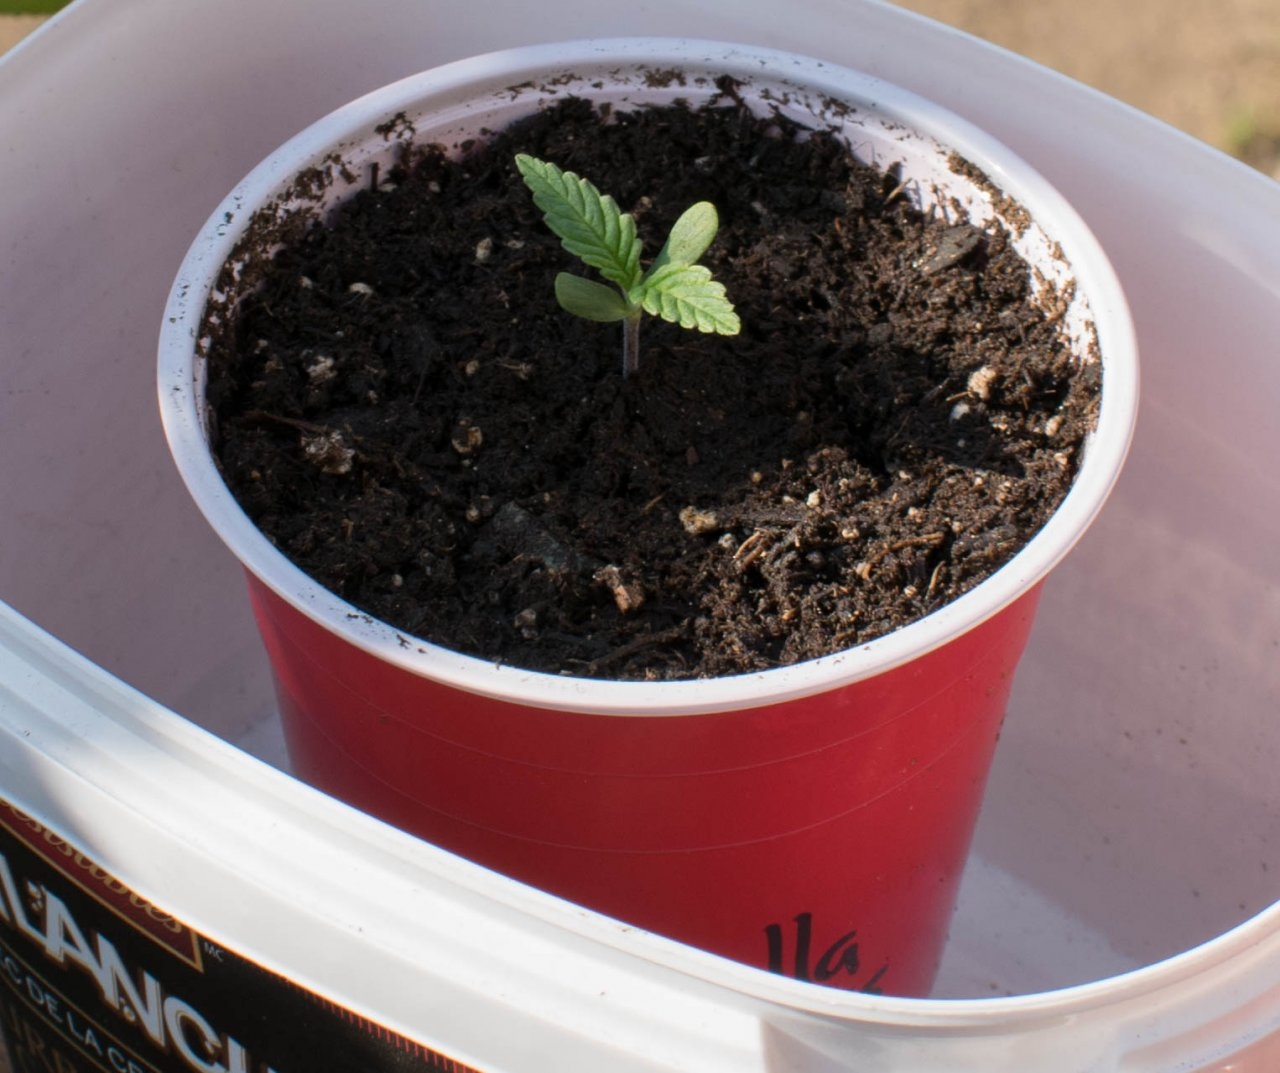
(588, 223)
(690, 236)
(688, 296)
(591, 300)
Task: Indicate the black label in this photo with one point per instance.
(840, 961)
(93, 977)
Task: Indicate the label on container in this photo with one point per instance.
(95, 977)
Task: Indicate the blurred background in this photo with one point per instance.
(1210, 69)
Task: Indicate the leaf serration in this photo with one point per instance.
(590, 225)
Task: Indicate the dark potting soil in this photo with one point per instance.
(413, 420)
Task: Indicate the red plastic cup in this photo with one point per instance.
(822, 836)
(811, 820)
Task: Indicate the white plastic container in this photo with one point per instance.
(600, 802)
(1117, 911)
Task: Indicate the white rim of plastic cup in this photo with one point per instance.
(181, 406)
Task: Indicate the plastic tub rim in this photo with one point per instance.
(1198, 965)
(179, 387)
(139, 715)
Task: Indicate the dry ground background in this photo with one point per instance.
(1210, 68)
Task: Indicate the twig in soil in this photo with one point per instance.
(926, 540)
(263, 417)
(751, 549)
(324, 447)
(934, 578)
(897, 191)
(639, 644)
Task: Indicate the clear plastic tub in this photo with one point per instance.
(1116, 913)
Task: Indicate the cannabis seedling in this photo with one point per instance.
(590, 226)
